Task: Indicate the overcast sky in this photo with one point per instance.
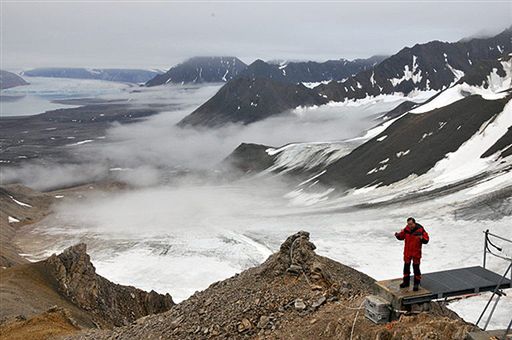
(149, 34)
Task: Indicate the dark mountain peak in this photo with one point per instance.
(309, 71)
(201, 69)
(249, 99)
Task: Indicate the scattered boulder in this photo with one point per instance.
(299, 305)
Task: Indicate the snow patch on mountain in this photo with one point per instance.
(496, 85)
(466, 161)
(306, 156)
(408, 74)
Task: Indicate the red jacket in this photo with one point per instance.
(414, 238)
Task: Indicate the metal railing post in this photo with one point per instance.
(485, 245)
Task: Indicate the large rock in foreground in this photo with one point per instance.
(69, 282)
(117, 304)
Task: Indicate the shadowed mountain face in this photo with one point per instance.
(431, 66)
(201, 70)
(119, 75)
(310, 71)
(246, 100)
(9, 79)
(413, 144)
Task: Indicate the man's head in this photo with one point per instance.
(411, 222)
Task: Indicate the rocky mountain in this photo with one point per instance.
(310, 71)
(9, 79)
(294, 294)
(64, 291)
(109, 74)
(201, 70)
(223, 69)
(432, 66)
(437, 137)
(247, 100)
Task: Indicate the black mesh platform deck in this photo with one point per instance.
(456, 282)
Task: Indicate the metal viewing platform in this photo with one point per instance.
(444, 284)
(452, 283)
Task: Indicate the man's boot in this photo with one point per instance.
(416, 285)
(417, 276)
(406, 281)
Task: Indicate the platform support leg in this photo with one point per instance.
(508, 330)
(492, 311)
(496, 291)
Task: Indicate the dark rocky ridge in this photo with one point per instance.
(224, 69)
(9, 79)
(247, 100)
(430, 65)
(248, 158)
(109, 74)
(201, 70)
(69, 281)
(310, 71)
(118, 305)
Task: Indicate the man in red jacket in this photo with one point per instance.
(415, 236)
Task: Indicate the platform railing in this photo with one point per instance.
(497, 291)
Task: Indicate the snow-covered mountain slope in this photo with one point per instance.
(432, 66)
(461, 135)
(201, 70)
(120, 75)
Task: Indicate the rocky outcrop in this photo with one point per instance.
(294, 294)
(248, 158)
(63, 294)
(76, 278)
